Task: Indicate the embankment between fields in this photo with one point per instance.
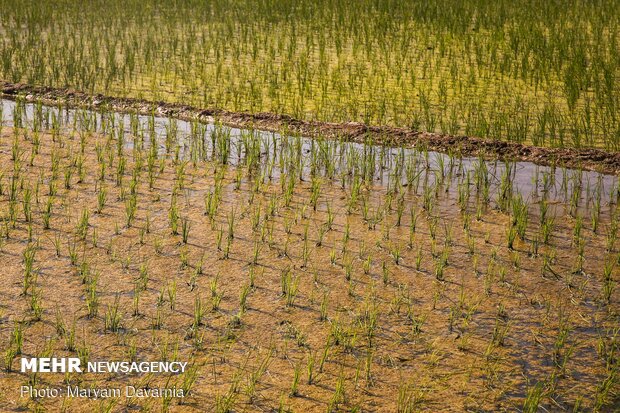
(588, 159)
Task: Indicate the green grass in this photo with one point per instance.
(541, 72)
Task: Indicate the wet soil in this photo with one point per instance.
(475, 339)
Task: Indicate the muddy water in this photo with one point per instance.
(522, 291)
(173, 135)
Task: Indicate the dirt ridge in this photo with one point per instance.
(586, 159)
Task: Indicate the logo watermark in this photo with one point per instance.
(75, 365)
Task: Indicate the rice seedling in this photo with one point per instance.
(131, 205)
(113, 317)
(81, 228)
(172, 295)
(30, 272)
(534, 397)
(295, 383)
(199, 312)
(36, 305)
(243, 296)
(185, 227)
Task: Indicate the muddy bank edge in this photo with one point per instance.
(588, 159)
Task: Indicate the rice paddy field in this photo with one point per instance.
(255, 188)
(542, 72)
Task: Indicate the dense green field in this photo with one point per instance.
(542, 72)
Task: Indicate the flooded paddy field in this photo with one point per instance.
(310, 206)
(300, 274)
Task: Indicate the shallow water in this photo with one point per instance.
(528, 179)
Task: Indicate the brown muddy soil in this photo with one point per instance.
(587, 159)
(479, 337)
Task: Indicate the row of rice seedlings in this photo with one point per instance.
(399, 165)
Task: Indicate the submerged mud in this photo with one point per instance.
(587, 159)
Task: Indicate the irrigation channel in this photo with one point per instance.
(383, 165)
